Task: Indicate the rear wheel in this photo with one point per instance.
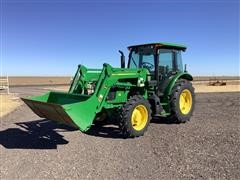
(135, 116)
(182, 101)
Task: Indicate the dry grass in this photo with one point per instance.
(58, 88)
(28, 80)
(8, 103)
(206, 89)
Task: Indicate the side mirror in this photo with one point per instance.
(185, 68)
(122, 59)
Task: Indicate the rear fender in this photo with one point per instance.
(181, 75)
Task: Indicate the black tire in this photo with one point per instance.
(176, 114)
(125, 121)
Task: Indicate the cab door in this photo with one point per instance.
(166, 66)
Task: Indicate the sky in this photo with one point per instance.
(50, 37)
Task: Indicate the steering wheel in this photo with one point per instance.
(148, 66)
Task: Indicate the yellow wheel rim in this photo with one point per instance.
(139, 117)
(185, 101)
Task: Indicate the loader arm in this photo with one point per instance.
(79, 107)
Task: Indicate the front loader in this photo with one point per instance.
(154, 84)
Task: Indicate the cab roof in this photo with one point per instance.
(163, 44)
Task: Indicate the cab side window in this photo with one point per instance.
(179, 61)
(166, 58)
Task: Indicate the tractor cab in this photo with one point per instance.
(164, 57)
(162, 60)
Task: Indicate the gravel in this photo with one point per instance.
(206, 147)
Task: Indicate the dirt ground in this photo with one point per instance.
(8, 103)
(204, 148)
(201, 88)
(42, 80)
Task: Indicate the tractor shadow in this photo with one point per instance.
(40, 134)
(110, 129)
(44, 134)
(106, 129)
(162, 120)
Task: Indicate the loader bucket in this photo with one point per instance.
(71, 109)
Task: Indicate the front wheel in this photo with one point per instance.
(182, 101)
(135, 116)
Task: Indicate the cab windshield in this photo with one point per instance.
(142, 58)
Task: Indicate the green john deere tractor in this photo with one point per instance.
(154, 84)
